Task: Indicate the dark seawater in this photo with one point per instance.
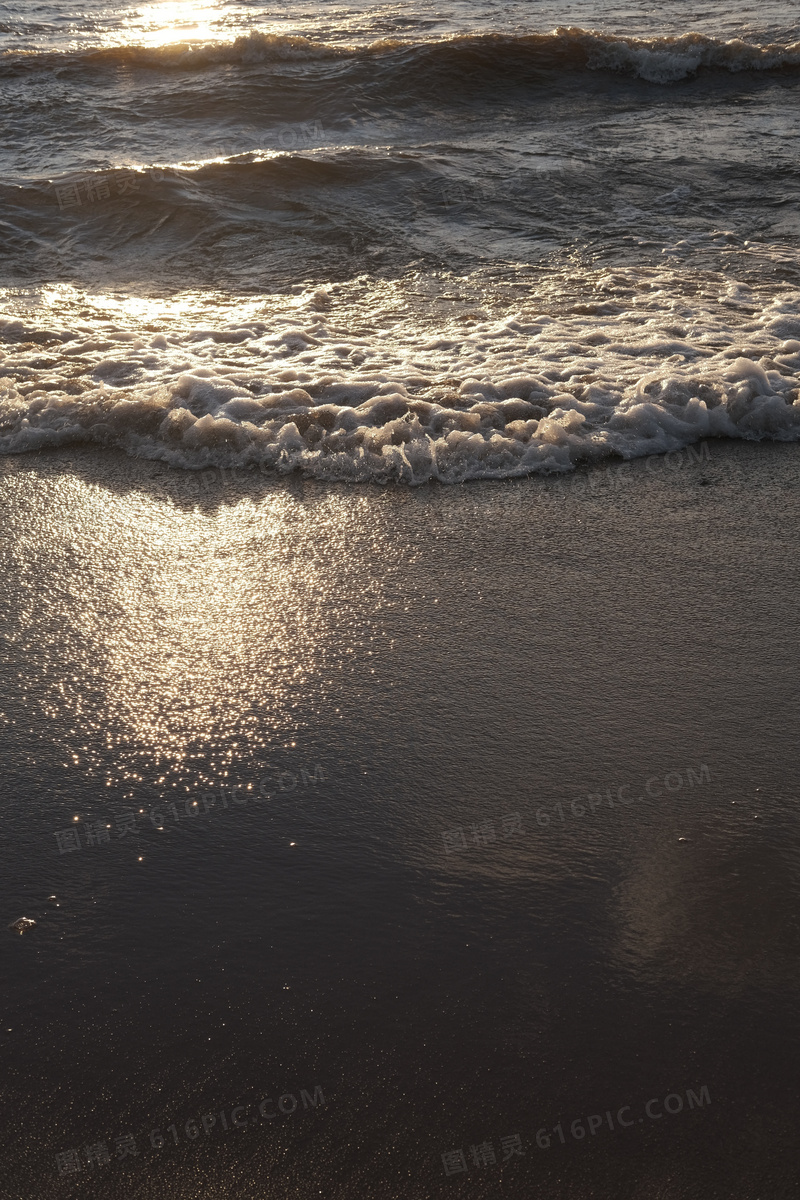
(399, 244)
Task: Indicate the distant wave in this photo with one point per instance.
(657, 60)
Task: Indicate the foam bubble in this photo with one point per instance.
(645, 366)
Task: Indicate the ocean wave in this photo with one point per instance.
(264, 215)
(659, 60)
(473, 398)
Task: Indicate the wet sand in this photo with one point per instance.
(514, 846)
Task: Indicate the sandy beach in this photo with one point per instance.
(425, 820)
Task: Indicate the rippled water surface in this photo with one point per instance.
(342, 241)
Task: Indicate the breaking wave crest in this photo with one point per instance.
(657, 60)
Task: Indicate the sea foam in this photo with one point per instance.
(638, 370)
